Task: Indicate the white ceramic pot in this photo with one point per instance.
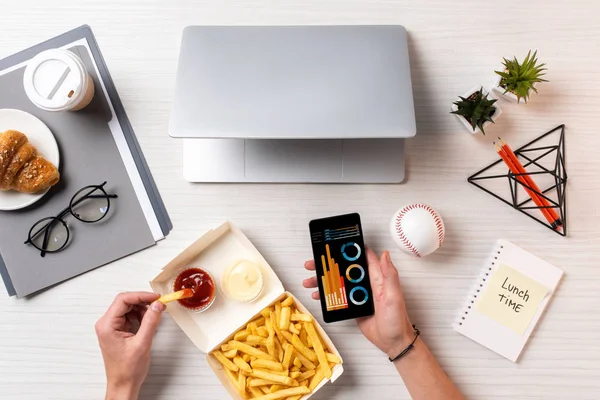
(485, 124)
(499, 91)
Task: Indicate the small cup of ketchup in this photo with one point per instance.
(201, 283)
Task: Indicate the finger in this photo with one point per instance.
(316, 295)
(310, 282)
(375, 274)
(149, 323)
(387, 266)
(310, 265)
(124, 302)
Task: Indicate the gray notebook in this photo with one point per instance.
(90, 154)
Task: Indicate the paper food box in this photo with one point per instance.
(208, 330)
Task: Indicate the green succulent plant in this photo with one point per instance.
(520, 78)
(476, 109)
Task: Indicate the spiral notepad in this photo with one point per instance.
(507, 300)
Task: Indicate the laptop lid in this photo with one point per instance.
(293, 82)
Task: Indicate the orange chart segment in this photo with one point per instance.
(333, 283)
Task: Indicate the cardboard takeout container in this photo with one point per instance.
(214, 252)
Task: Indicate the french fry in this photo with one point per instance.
(287, 302)
(280, 373)
(243, 365)
(244, 348)
(304, 361)
(316, 379)
(269, 325)
(276, 388)
(241, 335)
(260, 321)
(256, 382)
(225, 361)
(296, 397)
(256, 392)
(253, 328)
(302, 349)
(256, 340)
(294, 374)
(333, 358)
(266, 364)
(246, 357)
(287, 335)
(318, 346)
(265, 388)
(284, 319)
(231, 353)
(252, 358)
(304, 337)
(241, 384)
(331, 365)
(295, 368)
(287, 356)
(234, 380)
(304, 383)
(306, 375)
(277, 313)
(309, 342)
(301, 317)
(182, 294)
(262, 331)
(225, 347)
(278, 348)
(292, 328)
(271, 347)
(286, 380)
(298, 326)
(285, 393)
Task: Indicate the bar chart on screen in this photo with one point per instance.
(333, 283)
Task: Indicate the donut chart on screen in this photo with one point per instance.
(352, 267)
(358, 251)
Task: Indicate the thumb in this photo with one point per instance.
(391, 279)
(150, 322)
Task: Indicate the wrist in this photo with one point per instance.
(121, 392)
(402, 342)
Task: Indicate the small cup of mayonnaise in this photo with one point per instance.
(242, 281)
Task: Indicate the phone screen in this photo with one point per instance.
(341, 266)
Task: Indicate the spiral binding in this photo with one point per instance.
(478, 287)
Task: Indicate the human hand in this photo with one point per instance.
(125, 335)
(389, 328)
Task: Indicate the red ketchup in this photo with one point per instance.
(201, 284)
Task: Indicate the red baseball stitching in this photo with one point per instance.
(437, 220)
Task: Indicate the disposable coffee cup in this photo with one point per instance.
(57, 80)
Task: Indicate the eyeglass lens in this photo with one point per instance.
(51, 230)
(90, 204)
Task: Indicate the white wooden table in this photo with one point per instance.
(48, 348)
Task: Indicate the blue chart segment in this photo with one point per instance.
(342, 233)
(357, 249)
(360, 289)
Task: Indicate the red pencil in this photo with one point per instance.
(521, 178)
(556, 222)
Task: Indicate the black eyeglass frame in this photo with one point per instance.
(69, 210)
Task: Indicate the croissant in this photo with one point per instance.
(21, 167)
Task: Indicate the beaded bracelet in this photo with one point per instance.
(409, 348)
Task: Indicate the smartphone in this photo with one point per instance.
(341, 267)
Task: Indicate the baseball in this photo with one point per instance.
(417, 229)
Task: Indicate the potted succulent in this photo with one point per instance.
(517, 80)
(475, 110)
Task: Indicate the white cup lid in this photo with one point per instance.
(55, 80)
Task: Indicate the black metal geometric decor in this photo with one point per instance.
(544, 160)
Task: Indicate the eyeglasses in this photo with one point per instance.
(51, 234)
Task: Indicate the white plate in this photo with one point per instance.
(42, 138)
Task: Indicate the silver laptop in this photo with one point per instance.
(293, 103)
